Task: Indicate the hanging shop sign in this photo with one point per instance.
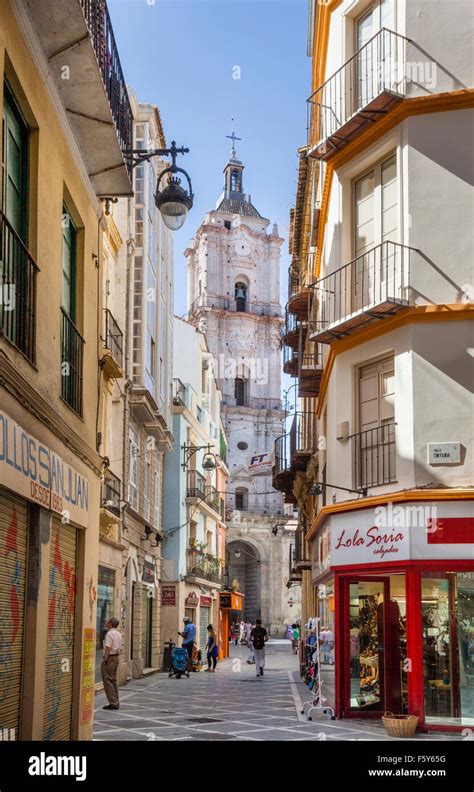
(261, 464)
(31, 469)
(191, 600)
(205, 602)
(168, 595)
(231, 600)
(148, 575)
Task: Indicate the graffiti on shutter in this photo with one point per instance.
(60, 646)
(13, 545)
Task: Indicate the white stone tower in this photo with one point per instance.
(234, 297)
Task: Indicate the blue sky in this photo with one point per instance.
(181, 54)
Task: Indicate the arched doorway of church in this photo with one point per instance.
(244, 575)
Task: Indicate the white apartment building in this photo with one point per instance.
(140, 422)
(385, 265)
(194, 553)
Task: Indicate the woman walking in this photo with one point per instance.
(212, 649)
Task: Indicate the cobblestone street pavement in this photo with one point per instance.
(231, 704)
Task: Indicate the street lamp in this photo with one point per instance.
(173, 201)
(209, 459)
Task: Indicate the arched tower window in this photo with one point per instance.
(235, 184)
(241, 498)
(240, 391)
(240, 296)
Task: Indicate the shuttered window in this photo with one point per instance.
(61, 622)
(13, 557)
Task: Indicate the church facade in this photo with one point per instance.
(234, 298)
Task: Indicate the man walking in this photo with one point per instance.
(259, 637)
(112, 647)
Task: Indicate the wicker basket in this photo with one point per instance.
(400, 725)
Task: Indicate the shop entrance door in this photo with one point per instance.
(374, 645)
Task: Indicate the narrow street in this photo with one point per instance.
(231, 704)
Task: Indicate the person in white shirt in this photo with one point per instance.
(112, 648)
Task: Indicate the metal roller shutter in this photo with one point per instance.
(13, 550)
(61, 621)
(204, 616)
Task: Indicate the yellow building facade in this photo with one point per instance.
(59, 160)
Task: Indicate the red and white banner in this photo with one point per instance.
(261, 464)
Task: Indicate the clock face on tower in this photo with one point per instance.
(242, 247)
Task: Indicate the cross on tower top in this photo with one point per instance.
(233, 137)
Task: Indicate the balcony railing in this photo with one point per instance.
(72, 354)
(297, 292)
(254, 402)
(294, 448)
(231, 304)
(18, 272)
(196, 485)
(180, 393)
(114, 337)
(373, 285)
(213, 498)
(359, 93)
(103, 40)
(246, 503)
(110, 495)
(294, 281)
(201, 565)
(374, 456)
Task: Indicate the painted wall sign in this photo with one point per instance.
(444, 453)
(168, 595)
(88, 676)
(204, 601)
(34, 471)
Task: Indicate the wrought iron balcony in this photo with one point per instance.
(111, 493)
(358, 94)
(204, 565)
(213, 498)
(292, 453)
(209, 302)
(298, 291)
(290, 360)
(196, 485)
(72, 354)
(79, 33)
(374, 456)
(310, 373)
(113, 357)
(250, 503)
(374, 285)
(300, 559)
(252, 402)
(180, 393)
(294, 575)
(18, 271)
(293, 329)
